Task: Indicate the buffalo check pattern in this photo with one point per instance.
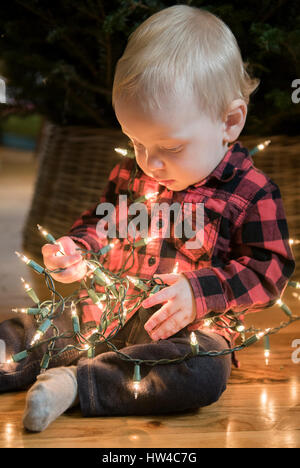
(245, 260)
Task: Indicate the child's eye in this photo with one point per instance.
(173, 150)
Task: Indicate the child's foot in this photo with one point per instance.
(54, 392)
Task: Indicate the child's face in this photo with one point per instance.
(177, 144)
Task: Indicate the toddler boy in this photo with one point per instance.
(180, 93)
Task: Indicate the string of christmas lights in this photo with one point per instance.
(111, 304)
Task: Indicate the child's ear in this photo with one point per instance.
(234, 120)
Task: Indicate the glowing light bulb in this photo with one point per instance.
(124, 315)
(260, 335)
(150, 195)
(296, 295)
(26, 285)
(294, 284)
(240, 327)
(52, 240)
(99, 305)
(145, 241)
(61, 252)
(259, 147)
(31, 293)
(22, 257)
(75, 319)
(284, 307)
(125, 152)
(73, 310)
(136, 380)
(136, 389)
(22, 311)
(91, 266)
(107, 247)
(207, 323)
(294, 241)
(267, 349)
(96, 300)
(121, 151)
(263, 145)
(138, 283)
(194, 340)
(194, 343)
(100, 275)
(38, 268)
(42, 230)
(44, 326)
(36, 337)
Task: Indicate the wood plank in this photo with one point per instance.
(260, 408)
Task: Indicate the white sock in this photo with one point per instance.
(51, 395)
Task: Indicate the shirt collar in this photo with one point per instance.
(237, 157)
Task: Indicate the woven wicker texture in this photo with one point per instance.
(75, 163)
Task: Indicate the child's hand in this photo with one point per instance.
(177, 313)
(75, 266)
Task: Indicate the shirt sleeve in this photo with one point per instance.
(84, 230)
(261, 264)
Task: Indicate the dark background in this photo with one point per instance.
(58, 57)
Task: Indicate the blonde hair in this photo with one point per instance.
(183, 51)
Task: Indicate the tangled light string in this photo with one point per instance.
(114, 297)
(116, 287)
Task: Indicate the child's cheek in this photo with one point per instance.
(139, 162)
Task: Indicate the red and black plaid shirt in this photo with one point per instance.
(245, 261)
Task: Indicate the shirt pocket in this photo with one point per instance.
(209, 236)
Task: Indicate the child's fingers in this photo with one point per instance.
(173, 325)
(164, 313)
(169, 278)
(49, 249)
(169, 327)
(68, 245)
(52, 262)
(72, 274)
(161, 296)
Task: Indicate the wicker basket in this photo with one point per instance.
(74, 165)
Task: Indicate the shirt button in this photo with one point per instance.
(151, 261)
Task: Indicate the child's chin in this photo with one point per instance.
(178, 187)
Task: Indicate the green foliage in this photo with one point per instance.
(61, 55)
(27, 126)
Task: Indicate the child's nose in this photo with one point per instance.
(154, 161)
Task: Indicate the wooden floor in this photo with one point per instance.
(260, 408)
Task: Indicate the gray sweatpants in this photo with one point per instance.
(105, 381)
